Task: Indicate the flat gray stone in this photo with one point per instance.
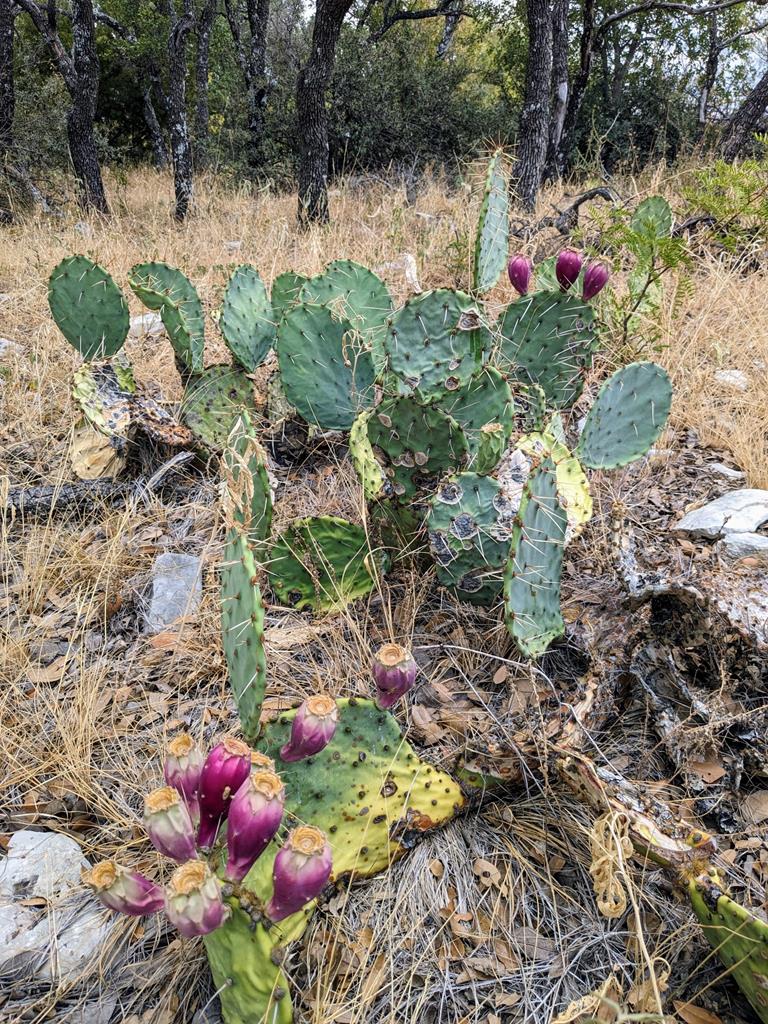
(735, 546)
(741, 511)
(726, 471)
(146, 325)
(177, 589)
(77, 945)
(233, 246)
(735, 379)
(40, 864)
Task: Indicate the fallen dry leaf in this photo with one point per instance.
(709, 771)
(487, 874)
(51, 673)
(754, 808)
(695, 1014)
(437, 868)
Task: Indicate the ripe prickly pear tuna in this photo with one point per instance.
(519, 270)
(254, 818)
(568, 268)
(169, 824)
(123, 890)
(595, 279)
(182, 768)
(394, 672)
(225, 770)
(193, 900)
(312, 728)
(301, 870)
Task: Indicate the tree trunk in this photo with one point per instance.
(710, 72)
(159, 152)
(82, 114)
(745, 121)
(181, 150)
(559, 86)
(7, 90)
(311, 88)
(534, 120)
(202, 63)
(578, 85)
(252, 62)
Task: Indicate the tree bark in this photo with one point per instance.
(534, 120)
(744, 123)
(578, 85)
(559, 86)
(204, 29)
(159, 152)
(252, 61)
(181, 150)
(7, 89)
(710, 71)
(311, 88)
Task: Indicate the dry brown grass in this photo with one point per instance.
(81, 749)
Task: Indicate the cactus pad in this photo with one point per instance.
(415, 444)
(88, 307)
(212, 401)
(492, 239)
(738, 935)
(435, 342)
(470, 527)
(248, 492)
(368, 470)
(530, 407)
(325, 371)
(485, 398)
(534, 568)
(104, 392)
(548, 338)
(653, 218)
(629, 414)
(165, 289)
(285, 294)
(321, 563)
(242, 631)
(573, 491)
(246, 321)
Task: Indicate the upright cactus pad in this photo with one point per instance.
(212, 401)
(104, 392)
(326, 372)
(535, 565)
(88, 307)
(249, 496)
(653, 218)
(485, 398)
(247, 321)
(738, 935)
(368, 470)
(492, 239)
(415, 444)
(435, 343)
(321, 563)
(286, 289)
(549, 338)
(627, 418)
(165, 289)
(470, 527)
(242, 630)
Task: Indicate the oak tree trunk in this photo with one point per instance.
(745, 122)
(204, 29)
(7, 90)
(579, 85)
(82, 114)
(159, 152)
(252, 61)
(559, 86)
(181, 150)
(533, 134)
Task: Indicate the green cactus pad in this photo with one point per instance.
(104, 392)
(286, 289)
(247, 321)
(368, 470)
(88, 307)
(738, 935)
(212, 401)
(573, 491)
(165, 289)
(325, 372)
(530, 407)
(321, 563)
(627, 418)
(373, 797)
(535, 564)
(548, 338)
(493, 444)
(415, 444)
(492, 239)
(470, 526)
(357, 295)
(653, 218)
(486, 398)
(435, 343)
(247, 481)
(242, 630)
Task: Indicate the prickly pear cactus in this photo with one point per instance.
(242, 630)
(104, 392)
(627, 418)
(368, 470)
(326, 373)
(470, 525)
(212, 401)
(531, 411)
(285, 294)
(492, 239)
(415, 444)
(248, 491)
(549, 336)
(246, 322)
(653, 218)
(535, 564)
(485, 398)
(322, 563)
(165, 289)
(88, 307)
(573, 491)
(435, 343)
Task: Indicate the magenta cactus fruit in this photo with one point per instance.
(182, 768)
(394, 672)
(312, 728)
(123, 890)
(193, 900)
(301, 870)
(225, 770)
(519, 269)
(568, 268)
(254, 818)
(595, 279)
(169, 824)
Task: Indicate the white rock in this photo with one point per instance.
(735, 379)
(735, 546)
(741, 511)
(727, 471)
(233, 246)
(10, 348)
(40, 864)
(84, 228)
(177, 589)
(77, 945)
(145, 325)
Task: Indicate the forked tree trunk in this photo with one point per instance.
(252, 61)
(533, 135)
(745, 122)
(159, 152)
(311, 88)
(553, 169)
(578, 85)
